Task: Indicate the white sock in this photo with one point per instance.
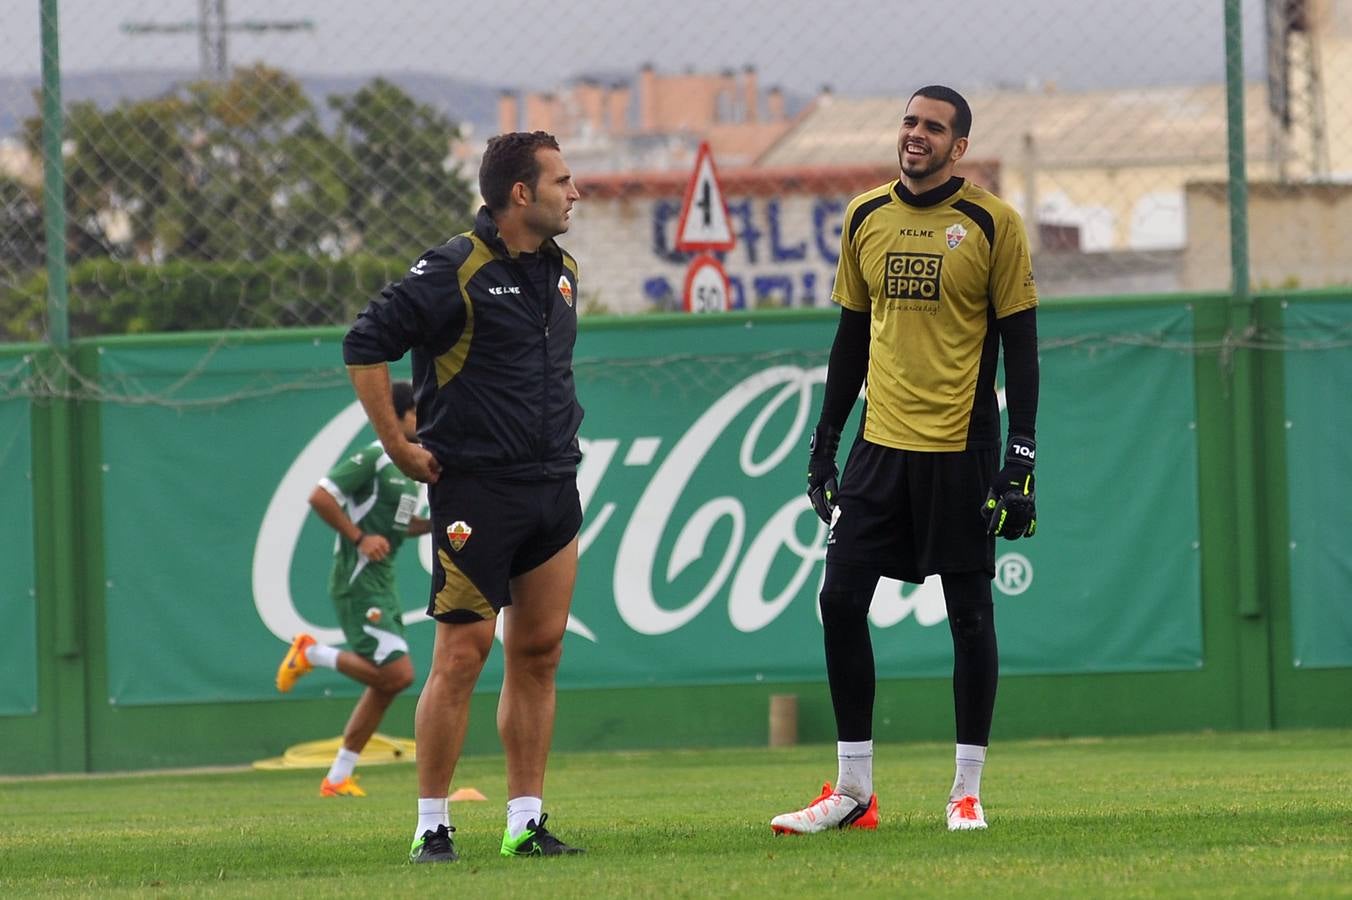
(343, 764)
(322, 655)
(521, 811)
(967, 782)
(432, 811)
(855, 775)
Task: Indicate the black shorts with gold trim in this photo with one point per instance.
(486, 531)
(909, 513)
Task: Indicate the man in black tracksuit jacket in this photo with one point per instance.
(491, 319)
(492, 343)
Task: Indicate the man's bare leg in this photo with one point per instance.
(443, 707)
(391, 680)
(533, 632)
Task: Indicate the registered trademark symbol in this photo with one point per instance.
(1013, 573)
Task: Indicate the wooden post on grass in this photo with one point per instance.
(783, 720)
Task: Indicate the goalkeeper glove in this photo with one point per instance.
(822, 475)
(1009, 510)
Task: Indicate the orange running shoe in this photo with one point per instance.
(348, 787)
(294, 664)
(830, 810)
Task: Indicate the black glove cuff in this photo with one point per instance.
(1021, 451)
(825, 441)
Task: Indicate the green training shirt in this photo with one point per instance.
(379, 499)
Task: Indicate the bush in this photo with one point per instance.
(286, 291)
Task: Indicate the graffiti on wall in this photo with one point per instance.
(783, 257)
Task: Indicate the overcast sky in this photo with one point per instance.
(859, 47)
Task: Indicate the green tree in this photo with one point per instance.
(405, 194)
(230, 205)
(241, 138)
(309, 209)
(22, 248)
(125, 165)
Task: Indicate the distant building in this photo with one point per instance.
(654, 122)
(1122, 190)
(18, 163)
(1104, 179)
(1110, 164)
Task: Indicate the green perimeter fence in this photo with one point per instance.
(1189, 571)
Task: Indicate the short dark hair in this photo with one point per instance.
(962, 119)
(401, 392)
(510, 158)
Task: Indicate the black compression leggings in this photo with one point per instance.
(976, 656)
(845, 599)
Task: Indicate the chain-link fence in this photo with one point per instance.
(271, 164)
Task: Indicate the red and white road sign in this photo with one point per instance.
(704, 223)
(706, 286)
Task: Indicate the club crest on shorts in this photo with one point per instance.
(373, 615)
(566, 290)
(457, 533)
(954, 235)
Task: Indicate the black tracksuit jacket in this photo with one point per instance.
(492, 340)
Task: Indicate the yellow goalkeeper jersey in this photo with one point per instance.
(934, 272)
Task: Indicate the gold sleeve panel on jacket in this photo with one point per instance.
(450, 363)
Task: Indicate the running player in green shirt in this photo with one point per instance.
(372, 506)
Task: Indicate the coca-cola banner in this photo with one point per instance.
(1319, 481)
(701, 558)
(18, 594)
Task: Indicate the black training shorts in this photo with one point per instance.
(486, 531)
(909, 513)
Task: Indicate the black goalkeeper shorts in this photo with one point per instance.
(909, 513)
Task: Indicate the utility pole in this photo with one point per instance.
(211, 40)
(211, 28)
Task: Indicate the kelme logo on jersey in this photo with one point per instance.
(566, 290)
(457, 533)
(954, 235)
(913, 276)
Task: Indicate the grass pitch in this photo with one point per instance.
(1205, 815)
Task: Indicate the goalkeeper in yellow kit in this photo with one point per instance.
(934, 278)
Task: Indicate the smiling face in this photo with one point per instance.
(550, 203)
(927, 146)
